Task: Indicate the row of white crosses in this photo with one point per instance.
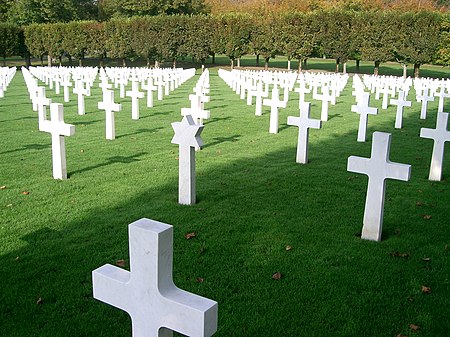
(6, 76)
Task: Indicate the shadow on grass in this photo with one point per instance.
(36, 147)
(140, 131)
(249, 210)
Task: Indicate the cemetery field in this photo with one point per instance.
(258, 213)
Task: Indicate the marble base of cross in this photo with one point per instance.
(440, 135)
(58, 129)
(147, 292)
(378, 168)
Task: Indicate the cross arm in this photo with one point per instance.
(358, 165)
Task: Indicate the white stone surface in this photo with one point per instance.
(187, 136)
(58, 129)
(110, 108)
(401, 102)
(363, 109)
(304, 123)
(424, 98)
(378, 168)
(147, 292)
(81, 91)
(275, 103)
(440, 135)
(42, 102)
(135, 95)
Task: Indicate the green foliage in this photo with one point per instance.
(443, 53)
(9, 40)
(34, 39)
(199, 36)
(118, 38)
(263, 37)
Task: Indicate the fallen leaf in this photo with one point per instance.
(401, 335)
(25, 192)
(426, 259)
(120, 263)
(398, 254)
(200, 279)
(3, 187)
(419, 203)
(426, 290)
(414, 327)
(39, 300)
(276, 276)
(9, 205)
(288, 247)
(427, 217)
(17, 258)
(82, 151)
(189, 235)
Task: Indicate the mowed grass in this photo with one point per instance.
(253, 201)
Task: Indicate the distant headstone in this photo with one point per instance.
(304, 123)
(42, 102)
(58, 129)
(110, 107)
(325, 97)
(135, 94)
(147, 292)
(80, 90)
(363, 109)
(149, 87)
(424, 98)
(274, 104)
(401, 102)
(440, 135)
(187, 136)
(378, 168)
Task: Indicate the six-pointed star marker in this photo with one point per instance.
(187, 133)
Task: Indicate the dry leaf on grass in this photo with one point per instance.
(427, 216)
(426, 259)
(120, 263)
(25, 192)
(414, 327)
(39, 300)
(288, 247)
(189, 235)
(276, 276)
(398, 254)
(200, 279)
(426, 290)
(419, 203)
(3, 187)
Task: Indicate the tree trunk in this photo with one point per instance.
(232, 64)
(174, 63)
(27, 60)
(305, 64)
(42, 60)
(203, 66)
(214, 58)
(300, 66)
(4, 61)
(70, 59)
(344, 68)
(101, 61)
(49, 60)
(257, 60)
(337, 66)
(266, 63)
(157, 64)
(376, 68)
(60, 60)
(289, 64)
(357, 65)
(416, 70)
(80, 62)
(238, 62)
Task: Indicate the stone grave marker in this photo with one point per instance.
(401, 102)
(42, 102)
(424, 98)
(304, 123)
(325, 97)
(440, 135)
(149, 87)
(80, 90)
(187, 136)
(363, 109)
(442, 96)
(135, 94)
(110, 107)
(147, 292)
(58, 129)
(275, 103)
(378, 168)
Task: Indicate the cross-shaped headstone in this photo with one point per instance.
(424, 98)
(401, 102)
(150, 88)
(80, 90)
(66, 83)
(385, 90)
(42, 102)
(440, 135)
(58, 130)
(363, 109)
(275, 103)
(147, 292)
(135, 94)
(304, 123)
(442, 95)
(259, 93)
(378, 168)
(110, 107)
(196, 110)
(325, 97)
(187, 136)
(302, 90)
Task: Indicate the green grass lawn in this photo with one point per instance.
(253, 201)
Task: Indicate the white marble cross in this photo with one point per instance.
(304, 123)
(149, 87)
(80, 90)
(424, 98)
(401, 102)
(385, 90)
(42, 102)
(440, 135)
(378, 168)
(66, 83)
(196, 110)
(325, 97)
(442, 95)
(147, 292)
(275, 103)
(259, 93)
(363, 109)
(110, 107)
(302, 90)
(58, 129)
(135, 94)
(187, 136)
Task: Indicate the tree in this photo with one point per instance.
(118, 39)
(198, 42)
(417, 38)
(34, 40)
(263, 37)
(75, 40)
(9, 40)
(443, 53)
(96, 39)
